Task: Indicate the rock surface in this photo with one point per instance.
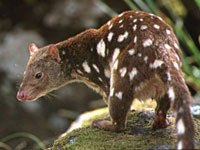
(78, 14)
(138, 135)
(14, 53)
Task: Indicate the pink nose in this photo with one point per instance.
(22, 95)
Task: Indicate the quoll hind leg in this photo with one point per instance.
(163, 105)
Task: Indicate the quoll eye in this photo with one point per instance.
(38, 75)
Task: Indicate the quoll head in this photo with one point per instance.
(43, 73)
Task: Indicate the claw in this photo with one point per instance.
(160, 121)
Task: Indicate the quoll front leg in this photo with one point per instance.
(120, 100)
(118, 117)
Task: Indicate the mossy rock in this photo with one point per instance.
(138, 134)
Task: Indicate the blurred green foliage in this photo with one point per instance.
(197, 3)
(3, 142)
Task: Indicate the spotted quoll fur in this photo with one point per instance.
(134, 55)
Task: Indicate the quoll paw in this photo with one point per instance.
(161, 124)
(107, 125)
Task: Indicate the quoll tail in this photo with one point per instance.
(184, 122)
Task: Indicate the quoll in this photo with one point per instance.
(134, 55)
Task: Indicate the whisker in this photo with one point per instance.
(17, 84)
(51, 96)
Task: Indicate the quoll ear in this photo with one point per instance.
(32, 48)
(54, 52)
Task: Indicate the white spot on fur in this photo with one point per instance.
(157, 63)
(141, 19)
(145, 59)
(168, 31)
(100, 79)
(175, 113)
(63, 52)
(135, 20)
(121, 26)
(156, 26)
(143, 27)
(107, 52)
(115, 66)
(120, 14)
(112, 92)
(133, 73)
(180, 110)
(111, 80)
(167, 46)
(119, 95)
(176, 45)
(177, 57)
(180, 127)
(152, 15)
(96, 68)
(110, 26)
(139, 55)
(131, 51)
(135, 39)
(86, 67)
(107, 73)
(135, 27)
(110, 36)
(180, 63)
(115, 54)
(147, 42)
(171, 93)
(101, 48)
(79, 71)
(159, 18)
(120, 21)
(122, 37)
(182, 79)
(169, 76)
(109, 23)
(176, 65)
(180, 145)
(123, 71)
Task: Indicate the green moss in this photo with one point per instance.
(138, 134)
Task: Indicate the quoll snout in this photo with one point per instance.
(22, 95)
